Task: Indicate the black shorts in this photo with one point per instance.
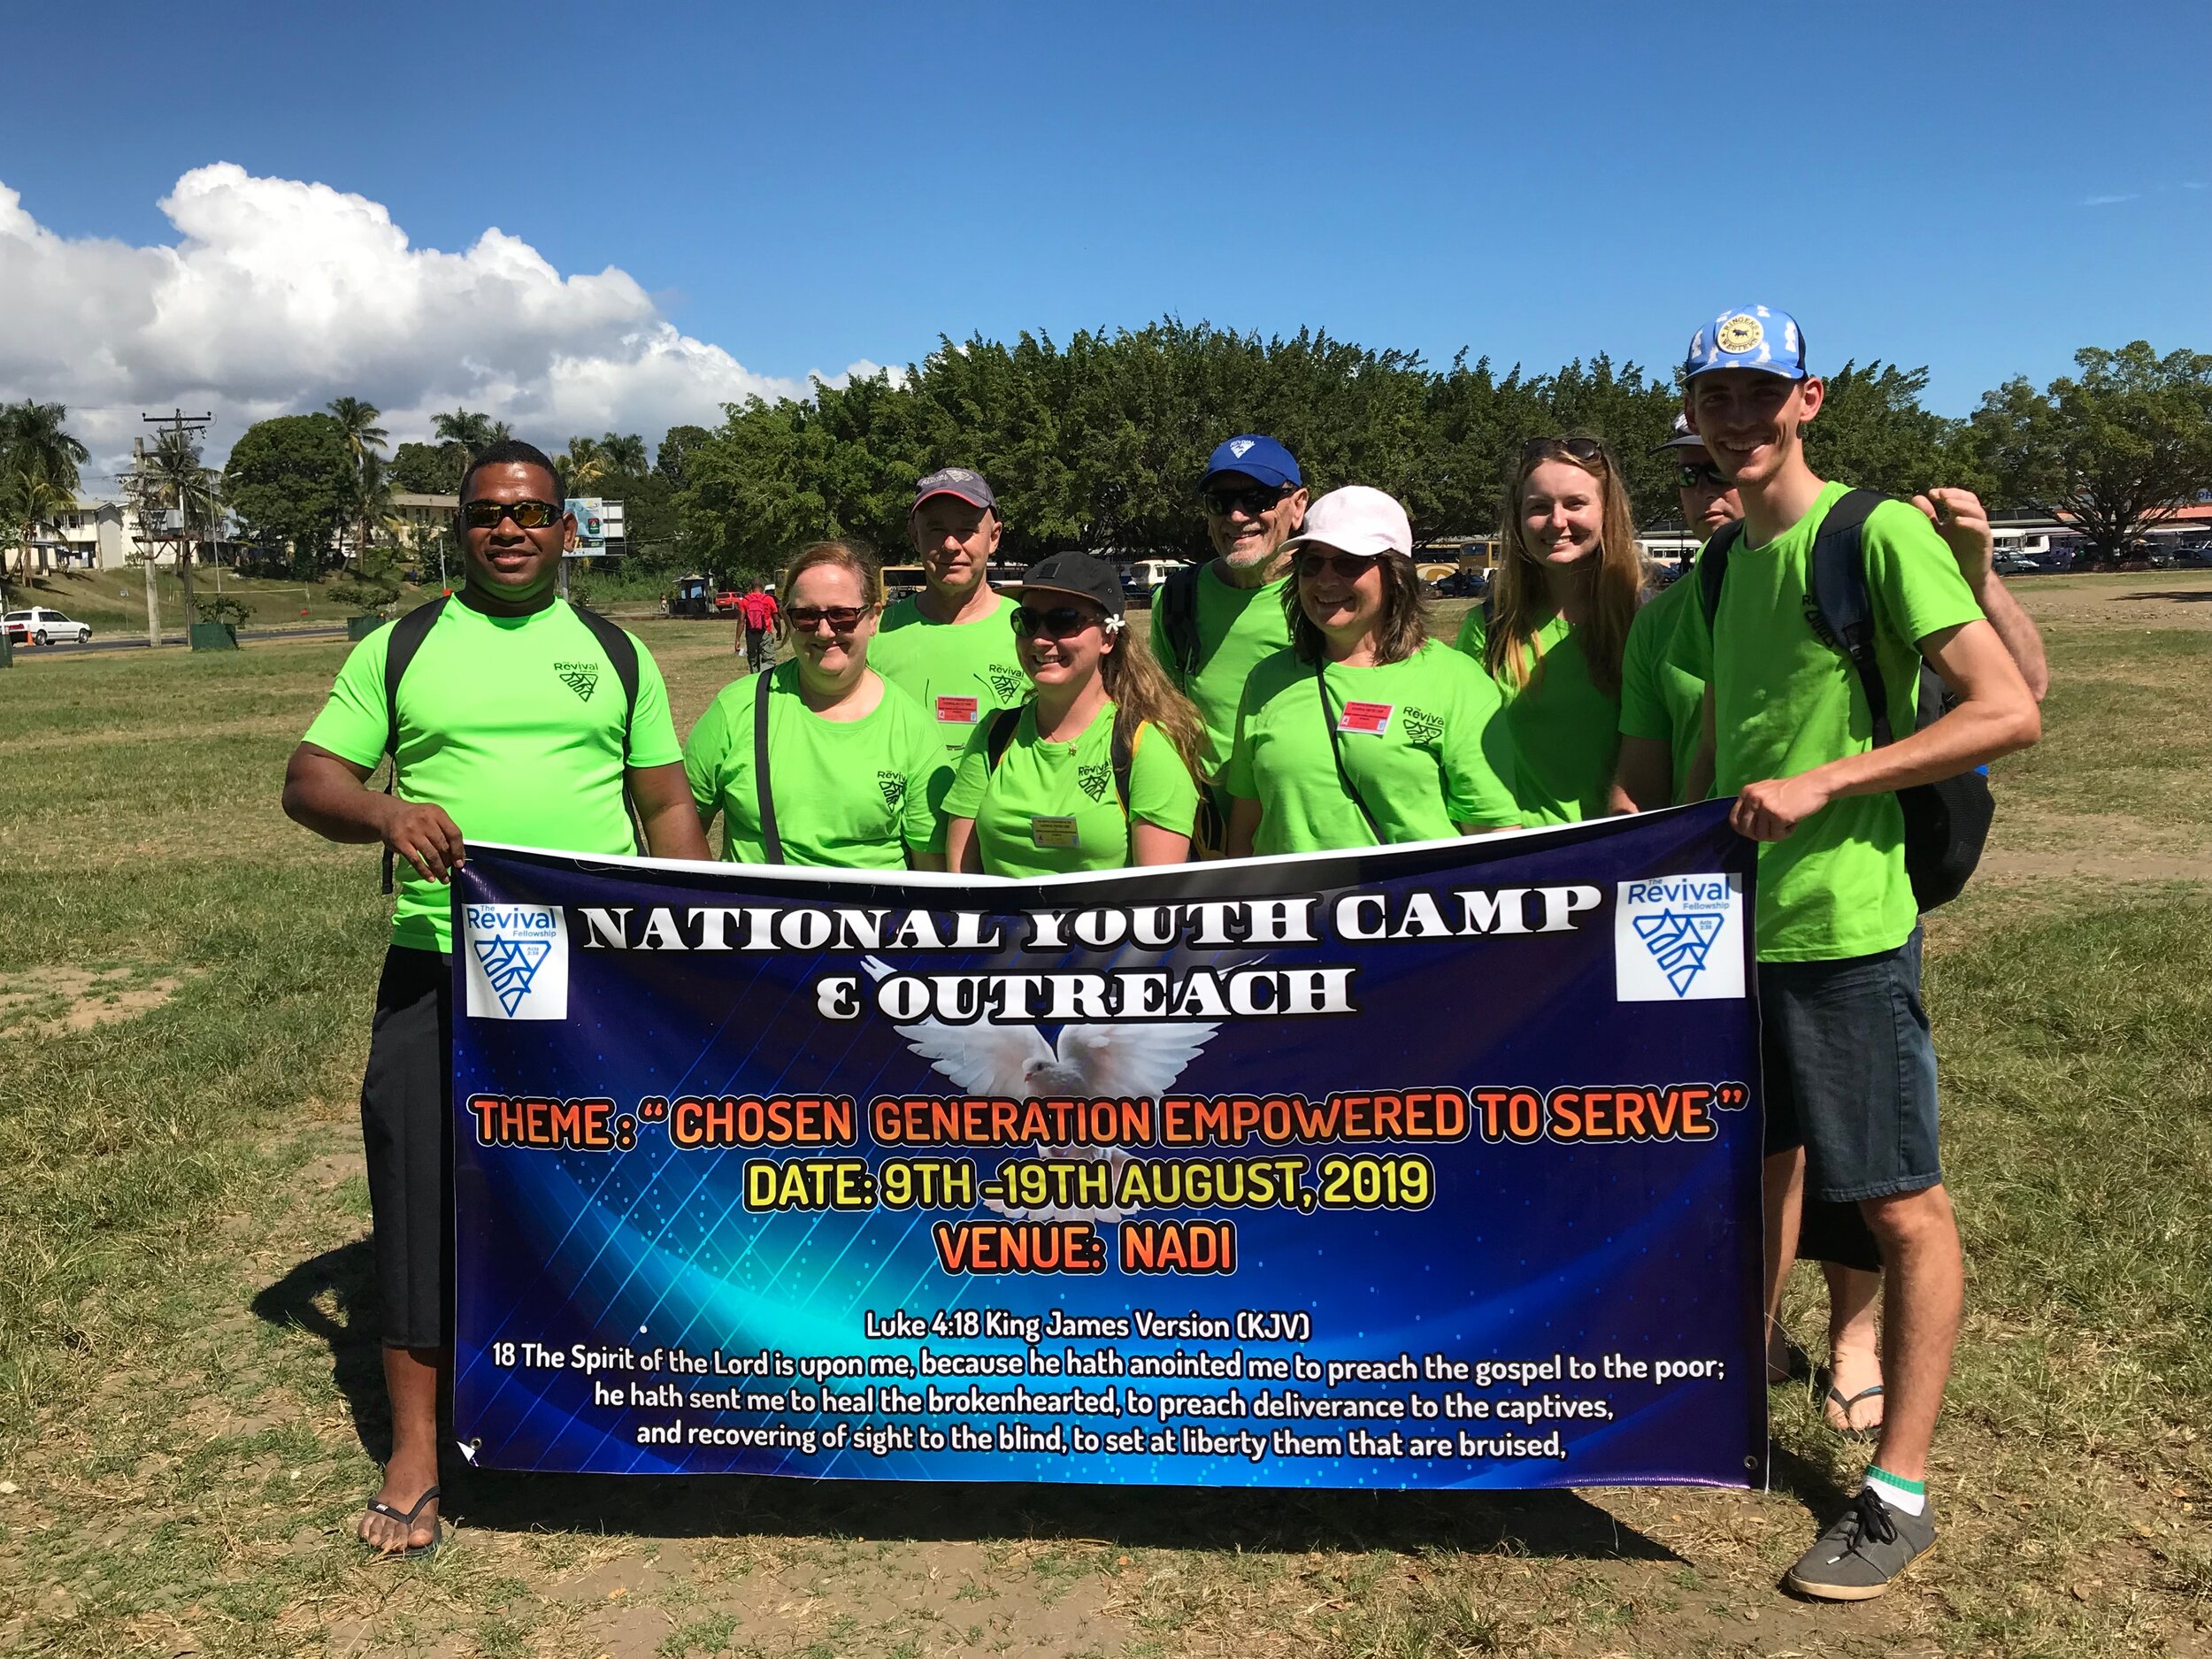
(407, 1130)
(1851, 1072)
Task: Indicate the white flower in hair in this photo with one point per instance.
(1114, 625)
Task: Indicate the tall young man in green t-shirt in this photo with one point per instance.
(951, 647)
(512, 727)
(1849, 1066)
(1255, 501)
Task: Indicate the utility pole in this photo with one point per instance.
(146, 497)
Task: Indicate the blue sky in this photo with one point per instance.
(1978, 188)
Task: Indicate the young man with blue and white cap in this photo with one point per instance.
(1849, 1066)
(1213, 625)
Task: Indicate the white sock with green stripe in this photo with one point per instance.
(1907, 1497)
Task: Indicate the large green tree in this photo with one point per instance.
(371, 493)
(291, 479)
(429, 469)
(471, 430)
(2115, 449)
(35, 437)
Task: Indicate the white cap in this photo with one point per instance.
(1358, 520)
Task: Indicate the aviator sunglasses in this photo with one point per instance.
(1581, 448)
(842, 618)
(1349, 567)
(1062, 622)
(1706, 477)
(527, 515)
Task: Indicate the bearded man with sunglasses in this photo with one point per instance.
(508, 723)
(1213, 625)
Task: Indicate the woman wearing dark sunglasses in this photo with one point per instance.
(1551, 632)
(848, 757)
(1365, 732)
(1095, 770)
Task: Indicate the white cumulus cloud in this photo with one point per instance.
(277, 296)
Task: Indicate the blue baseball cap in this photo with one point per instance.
(1748, 337)
(1255, 457)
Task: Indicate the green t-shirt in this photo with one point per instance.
(1238, 629)
(851, 794)
(1660, 699)
(1411, 735)
(1047, 808)
(1557, 736)
(513, 725)
(957, 671)
(1784, 702)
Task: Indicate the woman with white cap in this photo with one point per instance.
(1095, 770)
(1551, 632)
(1365, 731)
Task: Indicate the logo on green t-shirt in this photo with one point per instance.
(1092, 781)
(1007, 683)
(893, 788)
(1419, 726)
(581, 677)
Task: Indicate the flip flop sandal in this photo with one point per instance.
(1825, 1382)
(411, 1552)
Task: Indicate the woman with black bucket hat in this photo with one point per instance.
(1095, 770)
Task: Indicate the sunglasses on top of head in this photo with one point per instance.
(1706, 477)
(1350, 566)
(1252, 503)
(1584, 450)
(1061, 622)
(809, 618)
(527, 515)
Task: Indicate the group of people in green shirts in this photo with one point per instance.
(1292, 700)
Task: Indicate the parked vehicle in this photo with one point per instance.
(2015, 564)
(1465, 585)
(687, 596)
(42, 626)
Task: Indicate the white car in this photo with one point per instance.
(42, 626)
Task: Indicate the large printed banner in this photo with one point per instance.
(1428, 1166)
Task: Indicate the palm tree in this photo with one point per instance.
(29, 498)
(624, 453)
(585, 464)
(365, 442)
(175, 480)
(469, 429)
(32, 435)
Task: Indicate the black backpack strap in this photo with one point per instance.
(621, 651)
(762, 793)
(1175, 611)
(1712, 568)
(1336, 749)
(406, 639)
(1004, 725)
(1839, 590)
(1123, 755)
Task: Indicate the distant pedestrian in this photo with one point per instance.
(756, 616)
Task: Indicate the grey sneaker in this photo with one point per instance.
(1855, 1559)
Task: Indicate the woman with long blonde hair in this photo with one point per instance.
(849, 757)
(1097, 770)
(1551, 631)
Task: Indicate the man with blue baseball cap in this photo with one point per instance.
(1212, 625)
(1848, 1064)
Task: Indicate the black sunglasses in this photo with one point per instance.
(1252, 503)
(1692, 476)
(1062, 622)
(1580, 449)
(1350, 567)
(842, 618)
(527, 515)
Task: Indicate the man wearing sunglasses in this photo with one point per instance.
(1213, 625)
(951, 647)
(510, 725)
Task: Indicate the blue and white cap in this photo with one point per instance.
(1256, 457)
(1748, 337)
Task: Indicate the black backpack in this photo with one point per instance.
(1175, 621)
(1123, 752)
(1946, 822)
(411, 630)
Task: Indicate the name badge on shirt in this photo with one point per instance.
(1371, 717)
(1053, 832)
(957, 710)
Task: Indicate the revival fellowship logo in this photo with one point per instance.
(518, 961)
(1679, 939)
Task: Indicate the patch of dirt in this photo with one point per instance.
(2163, 599)
(2007, 862)
(86, 998)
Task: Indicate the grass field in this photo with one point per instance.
(190, 1409)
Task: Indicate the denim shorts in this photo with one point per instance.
(1851, 1072)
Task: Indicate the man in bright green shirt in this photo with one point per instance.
(951, 647)
(1849, 1067)
(851, 794)
(512, 725)
(1213, 625)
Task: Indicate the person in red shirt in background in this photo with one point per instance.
(755, 615)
